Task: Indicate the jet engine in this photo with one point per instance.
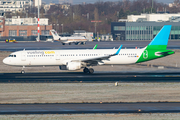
(71, 66)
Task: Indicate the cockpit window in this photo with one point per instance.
(12, 55)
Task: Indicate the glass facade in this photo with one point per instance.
(22, 32)
(117, 28)
(34, 33)
(44, 32)
(139, 33)
(12, 32)
(142, 30)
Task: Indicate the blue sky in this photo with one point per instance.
(92, 1)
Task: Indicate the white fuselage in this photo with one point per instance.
(72, 39)
(61, 57)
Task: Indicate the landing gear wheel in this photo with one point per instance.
(91, 71)
(22, 72)
(63, 43)
(82, 43)
(86, 70)
(69, 43)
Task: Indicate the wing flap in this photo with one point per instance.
(99, 58)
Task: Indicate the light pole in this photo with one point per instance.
(152, 7)
(62, 28)
(57, 29)
(95, 29)
(96, 21)
(54, 26)
(38, 39)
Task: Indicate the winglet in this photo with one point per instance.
(118, 50)
(95, 46)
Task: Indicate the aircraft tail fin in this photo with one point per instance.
(54, 34)
(161, 39)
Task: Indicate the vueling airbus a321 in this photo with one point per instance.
(86, 58)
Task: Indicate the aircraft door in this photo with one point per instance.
(23, 56)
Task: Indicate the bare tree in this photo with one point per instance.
(96, 14)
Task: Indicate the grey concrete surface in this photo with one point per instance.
(57, 45)
(88, 92)
(120, 116)
(79, 108)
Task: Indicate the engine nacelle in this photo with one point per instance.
(73, 65)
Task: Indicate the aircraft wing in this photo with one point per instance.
(97, 60)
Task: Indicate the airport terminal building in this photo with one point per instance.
(16, 26)
(139, 28)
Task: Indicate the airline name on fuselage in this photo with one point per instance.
(40, 52)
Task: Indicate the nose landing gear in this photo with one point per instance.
(22, 71)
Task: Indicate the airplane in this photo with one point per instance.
(86, 58)
(72, 39)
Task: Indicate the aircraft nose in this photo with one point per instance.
(5, 60)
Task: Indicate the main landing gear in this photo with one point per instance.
(90, 70)
(22, 71)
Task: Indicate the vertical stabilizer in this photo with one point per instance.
(157, 47)
(161, 39)
(55, 35)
